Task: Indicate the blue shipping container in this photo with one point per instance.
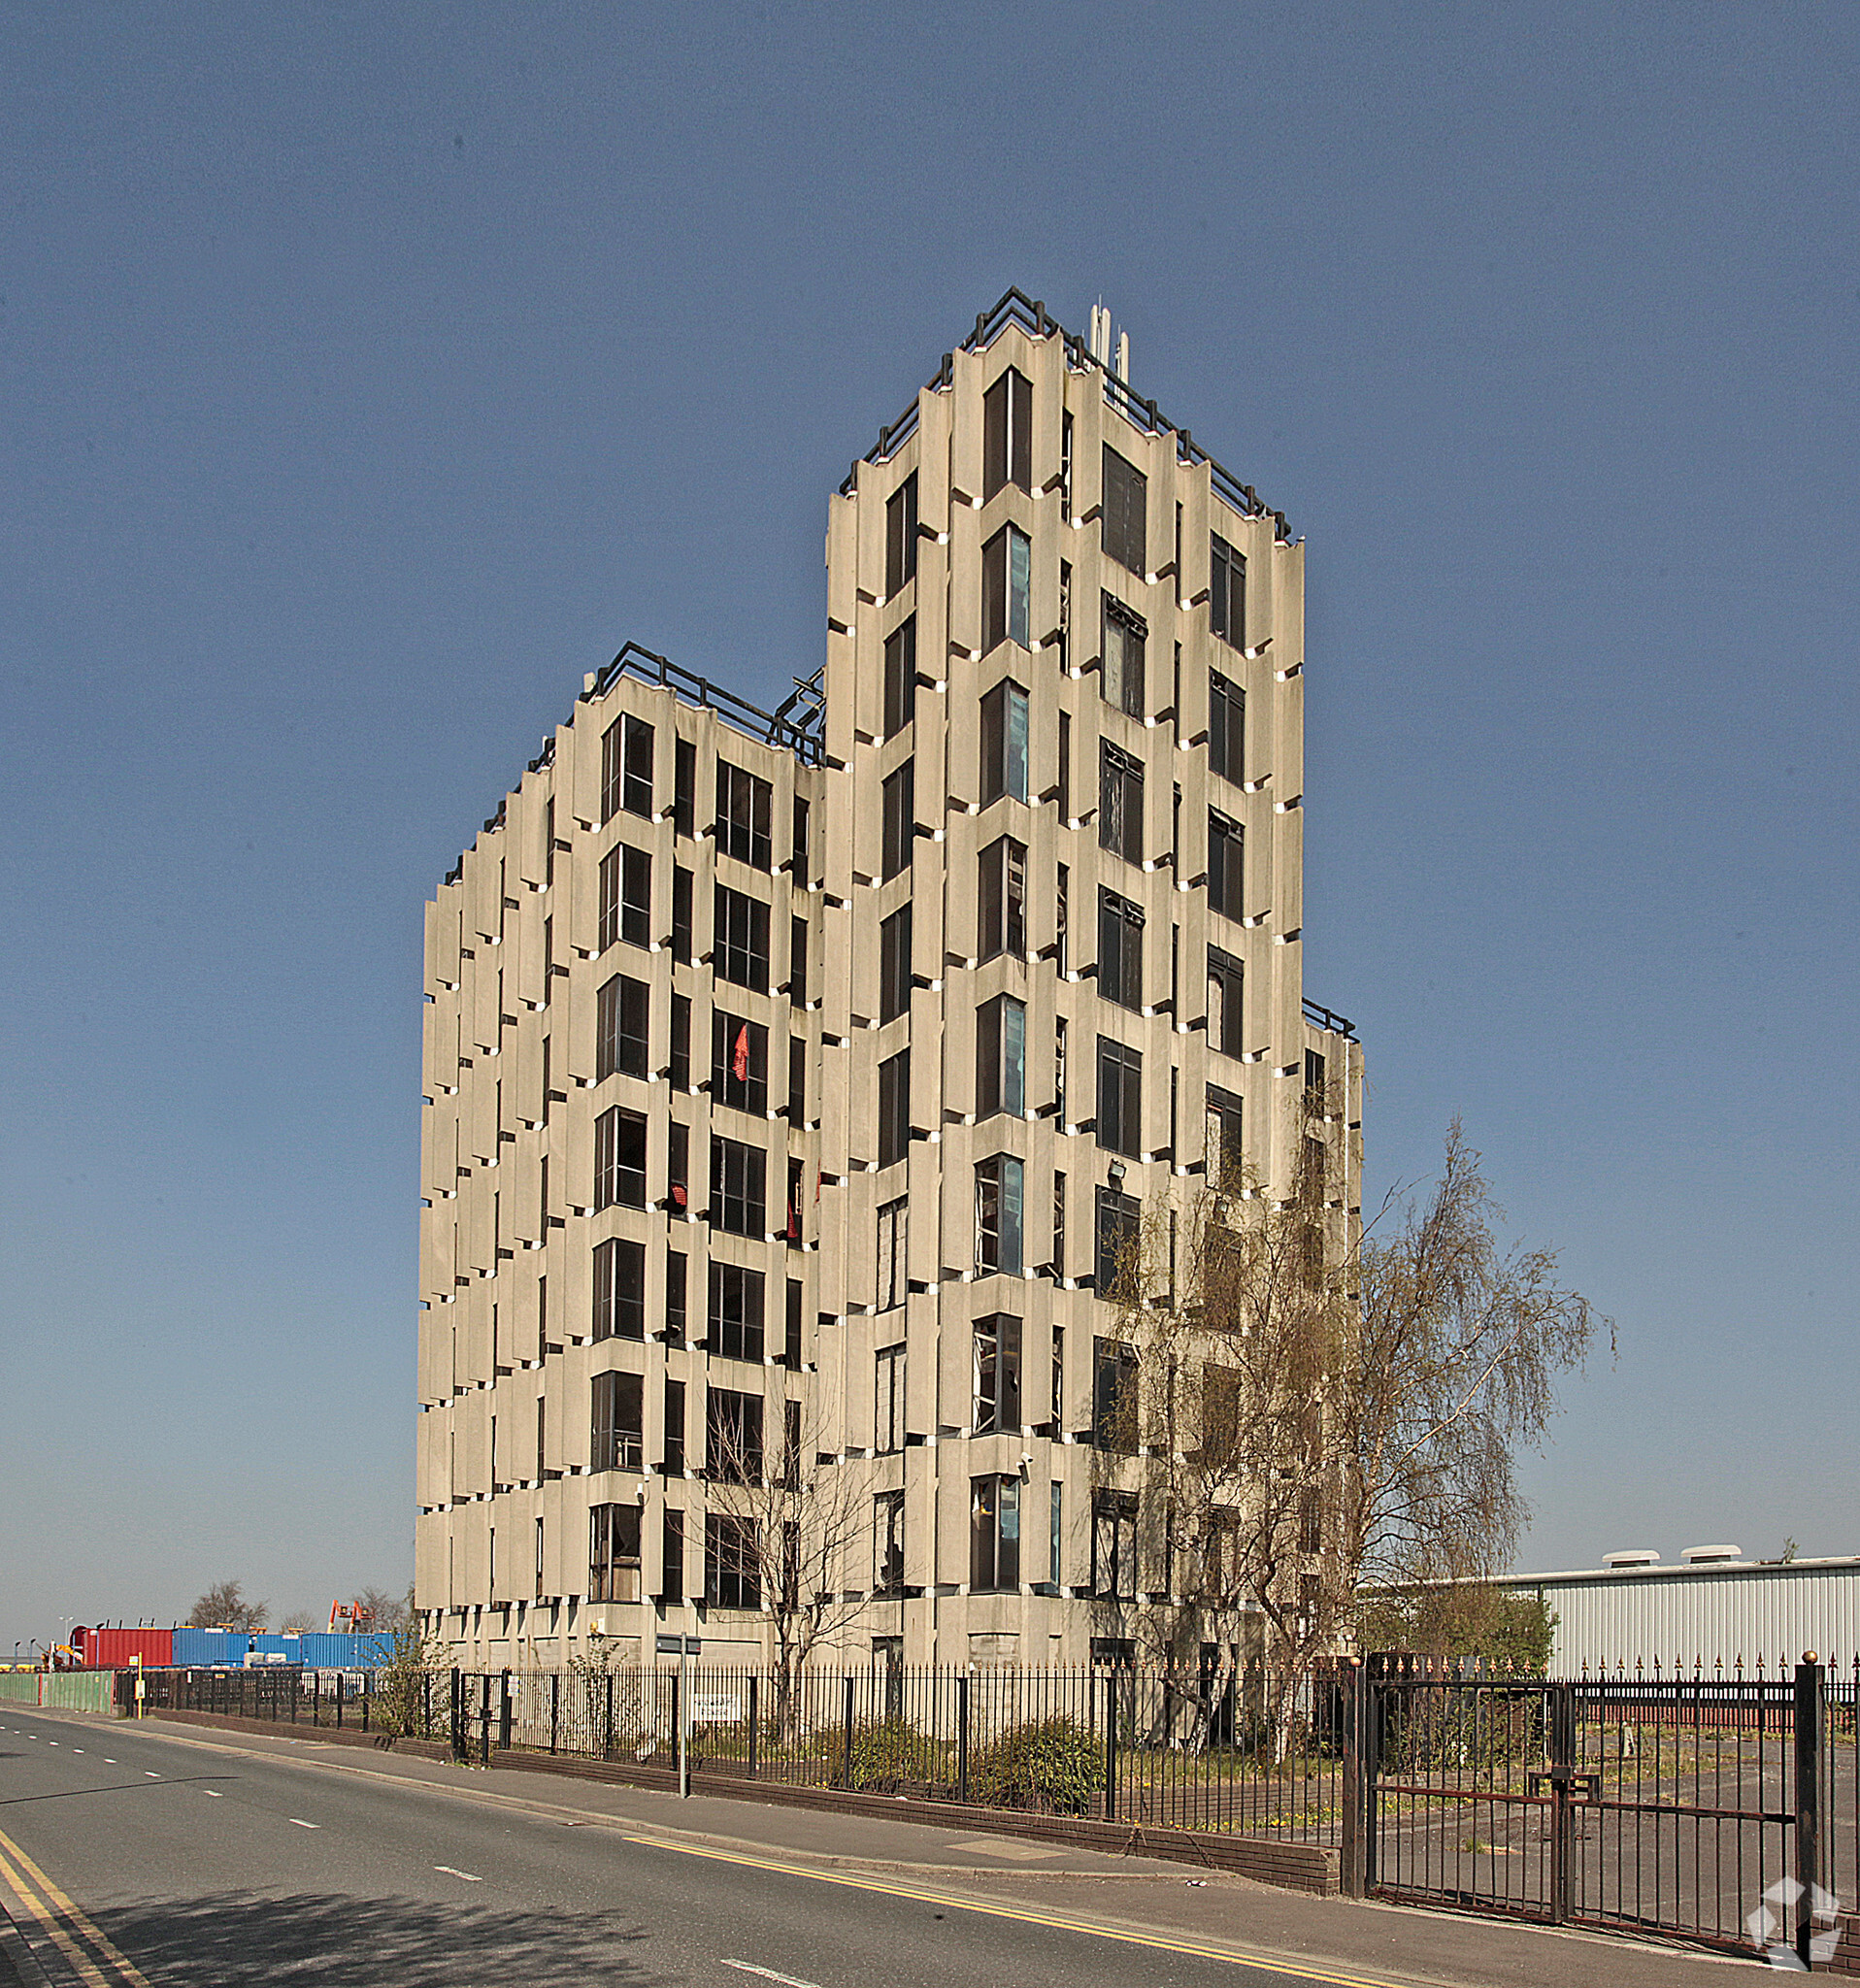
(197, 1648)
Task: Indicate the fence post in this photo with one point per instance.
(504, 1712)
(426, 1705)
(456, 1719)
(367, 1692)
(1352, 1870)
(847, 1769)
(1809, 1723)
(484, 1720)
(554, 1709)
(1562, 1807)
(754, 1724)
(962, 1738)
(607, 1729)
(1110, 1745)
(342, 1688)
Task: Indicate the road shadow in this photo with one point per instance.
(241, 1936)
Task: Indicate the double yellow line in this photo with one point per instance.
(41, 1902)
(1128, 1935)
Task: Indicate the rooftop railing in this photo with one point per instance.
(1322, 1017)
(1030, 314)
(802, 735)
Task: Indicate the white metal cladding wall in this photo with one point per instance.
(1711, 1615)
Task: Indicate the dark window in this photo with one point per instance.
(613, 1557)
(1124, 638)
(678, 1166)
(894, 1108)
(1226, 867)
(733, 1435)
(900, 677)
(1007, 576)
(620, 1289)
(894, 1235)
(1114, 1545)
(737, 1190)
(1062, 917)
(1226, 1151)
(739, 1063)
(791, 1328)
(1226, 1013)
(680, 916)
(677, 1282)
(791, 1228)
(1226, 728)
(636, 897)
(608, 902)
(619, 1159)
(797, 1081)
(1120, 803)
(1058, 1234)
(894, 964)
(900, 819)
(685, 789)
(673, 1426)
(1120, 950)
(680, 1060)
(621, 1011)
(740, 939)
(994, 1532)
(626, 768)
(732, 1577)
(1314, 1080)
(798, 854)
(797, 962)
(901, 535)
(1123, 501)
(1226, 592)
(743, 815)
(635, 786)
(1000, 1057)
(997, 1374)
(1118, 1225)
(1114, 1395)
(888, 1401)
(672, 1556)
(888, 1543)
(1007, 435)
(1004, 744)
(998, 1210)
(735, 1327)
(1121, 1087)
(549, 842)
(1064, 783)
(618, 1442)
(1002, 900)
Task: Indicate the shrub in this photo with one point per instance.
(1051, 1766)
(889, 1751)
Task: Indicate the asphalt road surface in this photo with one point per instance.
(127, 1857)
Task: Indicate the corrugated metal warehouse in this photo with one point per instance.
(1712, 1609)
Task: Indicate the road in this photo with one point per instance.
(128, 1857)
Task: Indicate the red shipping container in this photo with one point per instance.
(116, 1649)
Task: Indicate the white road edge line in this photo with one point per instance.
(452, 1871)
(768, 1975)
(302, 1824)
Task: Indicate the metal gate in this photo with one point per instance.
(1687, 1805)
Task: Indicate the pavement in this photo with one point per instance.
(184, 1855)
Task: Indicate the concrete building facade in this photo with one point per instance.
(792, 1079)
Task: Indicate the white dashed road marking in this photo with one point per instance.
(212, 1794)
(152, 1774)
(302, 1824)
(768, 1975)
(451, 1873)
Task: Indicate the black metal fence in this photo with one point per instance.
(1716, 1806)
(285, 1695)
(1254, 1753)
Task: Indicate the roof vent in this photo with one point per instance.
(1708, 1556)
(1632, 1556)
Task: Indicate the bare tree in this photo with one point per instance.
(1306, 1413)
(792, 1536)
(224, 1606)
(1452, 1367)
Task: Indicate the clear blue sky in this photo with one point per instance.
(369, 374)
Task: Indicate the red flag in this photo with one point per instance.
(741, 1064)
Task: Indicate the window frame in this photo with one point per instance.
(739, 1206)
(1119, 1072)
(1121, 802)
(1124, 685)
(1122, 924)
(1004, 743)
(745, 807)
(1001, 900)
(1000, 1205)
(1007, 434)
(1124, 512)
